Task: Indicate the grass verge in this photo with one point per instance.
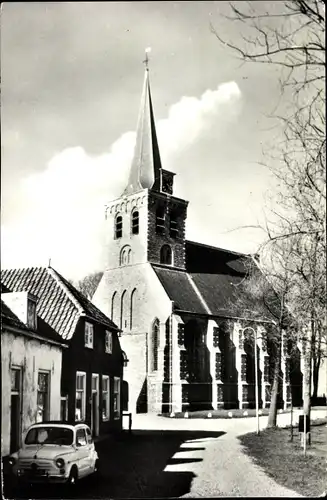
(284, 460)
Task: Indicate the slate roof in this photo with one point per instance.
(59, 304)
(178, 286)
(210, 283)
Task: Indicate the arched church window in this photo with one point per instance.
(155, 344)
(160, 220)
(135, 222)
(173, 226)
(118, 226)
(125, 256)
(132, 309)
(166, 255)
(124, 311)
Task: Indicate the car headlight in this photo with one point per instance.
(60, 463)
(11, 461)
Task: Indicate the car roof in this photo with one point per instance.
(59, 423)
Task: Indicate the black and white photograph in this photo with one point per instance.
(163, 249)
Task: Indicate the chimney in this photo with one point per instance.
(23, 304)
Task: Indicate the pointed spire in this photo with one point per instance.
(146, 163)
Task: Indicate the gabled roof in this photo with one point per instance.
(202, 258)
(59, 304)
(211, 282)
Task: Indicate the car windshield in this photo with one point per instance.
(50, 435)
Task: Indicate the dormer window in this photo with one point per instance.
(160, 220)
(135, 222)
(173, 226)
(31, 314)
(166, 255)
(88, 335)
(118, 227)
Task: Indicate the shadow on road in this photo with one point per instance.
(133, 466)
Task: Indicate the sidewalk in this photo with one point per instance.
(236, 426)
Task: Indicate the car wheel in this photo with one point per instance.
(73, 476)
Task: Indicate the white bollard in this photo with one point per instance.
(245, 413)
(209, 415)
(186, 414)
(172, 414)
(230, 414)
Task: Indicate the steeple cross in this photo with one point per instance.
(146, 60)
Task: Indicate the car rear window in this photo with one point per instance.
(50, 435)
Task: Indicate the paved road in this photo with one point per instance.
(175, 458)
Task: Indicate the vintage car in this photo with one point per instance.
(55, 452)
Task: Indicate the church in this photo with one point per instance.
(171, 298)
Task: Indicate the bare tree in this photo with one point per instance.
(257, 300)
(291, 35)
(89, 283)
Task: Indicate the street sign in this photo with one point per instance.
(301, 423)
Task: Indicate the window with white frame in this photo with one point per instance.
(88, 335)
(116, 398)
(80, 396)
(105, 397)
(43, 399)
(108, 342)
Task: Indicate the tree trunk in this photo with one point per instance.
(316, 364)
(272, 418)
(315, 376)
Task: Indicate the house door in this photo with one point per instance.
(15, 413)
(95, 405)
(14, 423)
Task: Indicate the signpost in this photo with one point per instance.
(256, 380)
(304, 429)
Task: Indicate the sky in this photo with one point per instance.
(72, 77)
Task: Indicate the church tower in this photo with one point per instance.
(144, 226)
(147, 223)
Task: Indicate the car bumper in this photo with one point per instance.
(26, 476)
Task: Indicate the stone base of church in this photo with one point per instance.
(163, 397)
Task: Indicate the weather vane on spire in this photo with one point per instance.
(146, 60)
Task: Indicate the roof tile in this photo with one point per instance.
(59, 304)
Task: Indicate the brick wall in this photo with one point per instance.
(156, 241)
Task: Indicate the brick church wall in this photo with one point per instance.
(156, 241)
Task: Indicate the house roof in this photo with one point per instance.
(43, 330)
(59, 304)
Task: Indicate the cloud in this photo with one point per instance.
(61, 210)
